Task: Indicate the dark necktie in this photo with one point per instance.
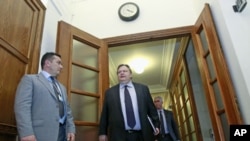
(129, 108)
(162, 123)
(59, 96)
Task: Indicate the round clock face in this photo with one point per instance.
(128, 11)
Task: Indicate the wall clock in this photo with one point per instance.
(128, 11)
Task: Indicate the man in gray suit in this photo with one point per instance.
(41, 108)
(169, 129)
(116, 120)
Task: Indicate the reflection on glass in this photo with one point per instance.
(218, 96)
(175, 98)
(84, 54)
(180, 129)
(179, 88)
(185, 92)
(194, 137)
(203, 41)
(81, 107)
(83, 79)
(183, 113)
(191, 122)
(225, 126)
(189, 110)
(198, 93)
(185, 127)
(210, 66)
(181, 102)
(178, 119)
(183, 78)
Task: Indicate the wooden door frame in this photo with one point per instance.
(148, 36)
(223, 72)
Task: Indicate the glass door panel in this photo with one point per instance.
(84, 54)
(84, 82)
(83, 104)
(84, 79)
(199, 97)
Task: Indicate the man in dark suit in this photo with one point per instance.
(114, 119)
(168, 129)
(38, 101)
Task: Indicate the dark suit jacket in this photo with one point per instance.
(112, 121)
(172, 126)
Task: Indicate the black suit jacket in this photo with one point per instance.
(112, 121)
(172, 126)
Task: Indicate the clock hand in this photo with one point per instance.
(130, 10)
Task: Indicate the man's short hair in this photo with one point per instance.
(48, 56)
(126, 65)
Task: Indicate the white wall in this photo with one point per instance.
(234, 34)
(56, 11)
(236, 44)
(100, 18)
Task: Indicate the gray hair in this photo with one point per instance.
(158, 97)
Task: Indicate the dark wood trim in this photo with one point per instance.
(148, 36)
(8, 129)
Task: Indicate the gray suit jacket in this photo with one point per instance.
(36, 109)
(112, 121)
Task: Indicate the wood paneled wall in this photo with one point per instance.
(21, 26)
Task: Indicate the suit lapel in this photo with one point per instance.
(116, 96)
(46, 83)
(167, 116)
(138, 95)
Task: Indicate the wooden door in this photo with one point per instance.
(203, 94)
(184, 94)
(217, 84)
(21, 26)
(85, 75)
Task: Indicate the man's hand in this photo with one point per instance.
(103, 138)
(157, 131)
(29, 138)
(71, 137)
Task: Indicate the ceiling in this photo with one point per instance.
(159, 56)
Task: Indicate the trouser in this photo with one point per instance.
(133, 135)
(165, 137)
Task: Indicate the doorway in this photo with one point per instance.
(202, 35)
(162, 57)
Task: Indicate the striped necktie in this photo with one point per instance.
(59, 96)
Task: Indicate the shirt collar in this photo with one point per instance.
(160, 110)
(129, 84)
(46, 75)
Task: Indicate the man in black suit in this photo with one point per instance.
(114, 121)
(168, 129)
